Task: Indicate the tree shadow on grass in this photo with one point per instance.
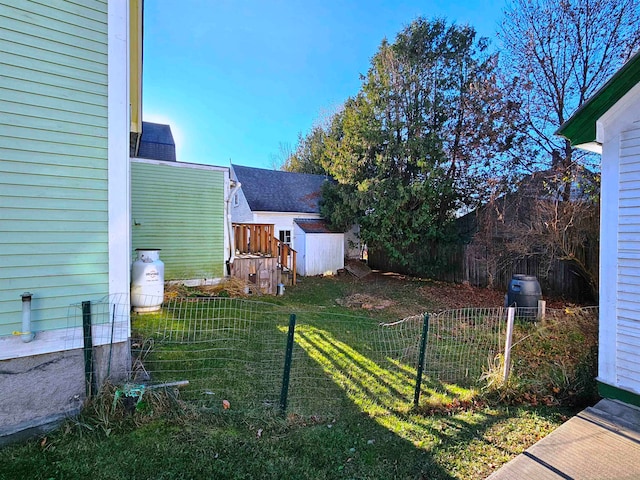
(382, 391)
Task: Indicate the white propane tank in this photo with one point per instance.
(147, 281)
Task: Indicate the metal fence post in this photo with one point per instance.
(88, 349)
(423, 348)
(287, 365)
(511, 313)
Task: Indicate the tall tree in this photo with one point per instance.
(413, 146)
(309, 153)
(560, 53)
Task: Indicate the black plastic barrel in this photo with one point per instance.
(524, 292)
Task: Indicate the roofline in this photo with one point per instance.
(300, 222)
(581, 127)
(324, 175)
(289, 213)
(174, 163)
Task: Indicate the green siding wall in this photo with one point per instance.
(53, 158)
(181, 211)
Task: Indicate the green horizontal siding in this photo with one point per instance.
(19, 69)
(46, 260)
(64, 72)
(59, 199)
(52, 114)
(52, 283)
(88, 9)
(53, 181)
(44, 97)
(72, 236)
(47, 226)
(83, 218)
(40, 160)
(83, 52)
(49, 312)
(181, 211)
(33, 250)
(53, 96)
(57, 16)
(80, 130)
(53, 158)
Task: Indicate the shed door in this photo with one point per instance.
(300, 242)
(628, 288)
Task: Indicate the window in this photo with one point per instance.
(236, 200)
(285, 236)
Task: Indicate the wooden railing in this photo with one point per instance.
(260, 239)
(255, 238)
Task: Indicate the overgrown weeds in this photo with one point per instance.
(230, 287)
(120, 408)
(554, 362)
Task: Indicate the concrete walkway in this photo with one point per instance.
(600, 443)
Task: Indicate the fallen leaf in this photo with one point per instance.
(226, 405)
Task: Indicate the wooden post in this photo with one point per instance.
(263, 239)
(542, 309)
(283, 254)
(253, 240)
(237, 235)
(511, 314)
(293, 269)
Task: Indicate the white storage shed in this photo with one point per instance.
(320, 250)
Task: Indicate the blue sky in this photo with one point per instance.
(236, 80)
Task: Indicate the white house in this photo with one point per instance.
(609, 124)
(289, 201)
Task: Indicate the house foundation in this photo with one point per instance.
(41, 391)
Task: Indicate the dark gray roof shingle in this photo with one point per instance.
(313, 225)
(157, 142)
(277, 191)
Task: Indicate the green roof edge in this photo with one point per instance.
(581, 127)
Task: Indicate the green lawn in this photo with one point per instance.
(351, 444)
(350, 413)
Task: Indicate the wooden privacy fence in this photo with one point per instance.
(459, 263)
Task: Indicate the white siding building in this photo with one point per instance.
(609, 123)
(287, 200)
(320, 251)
